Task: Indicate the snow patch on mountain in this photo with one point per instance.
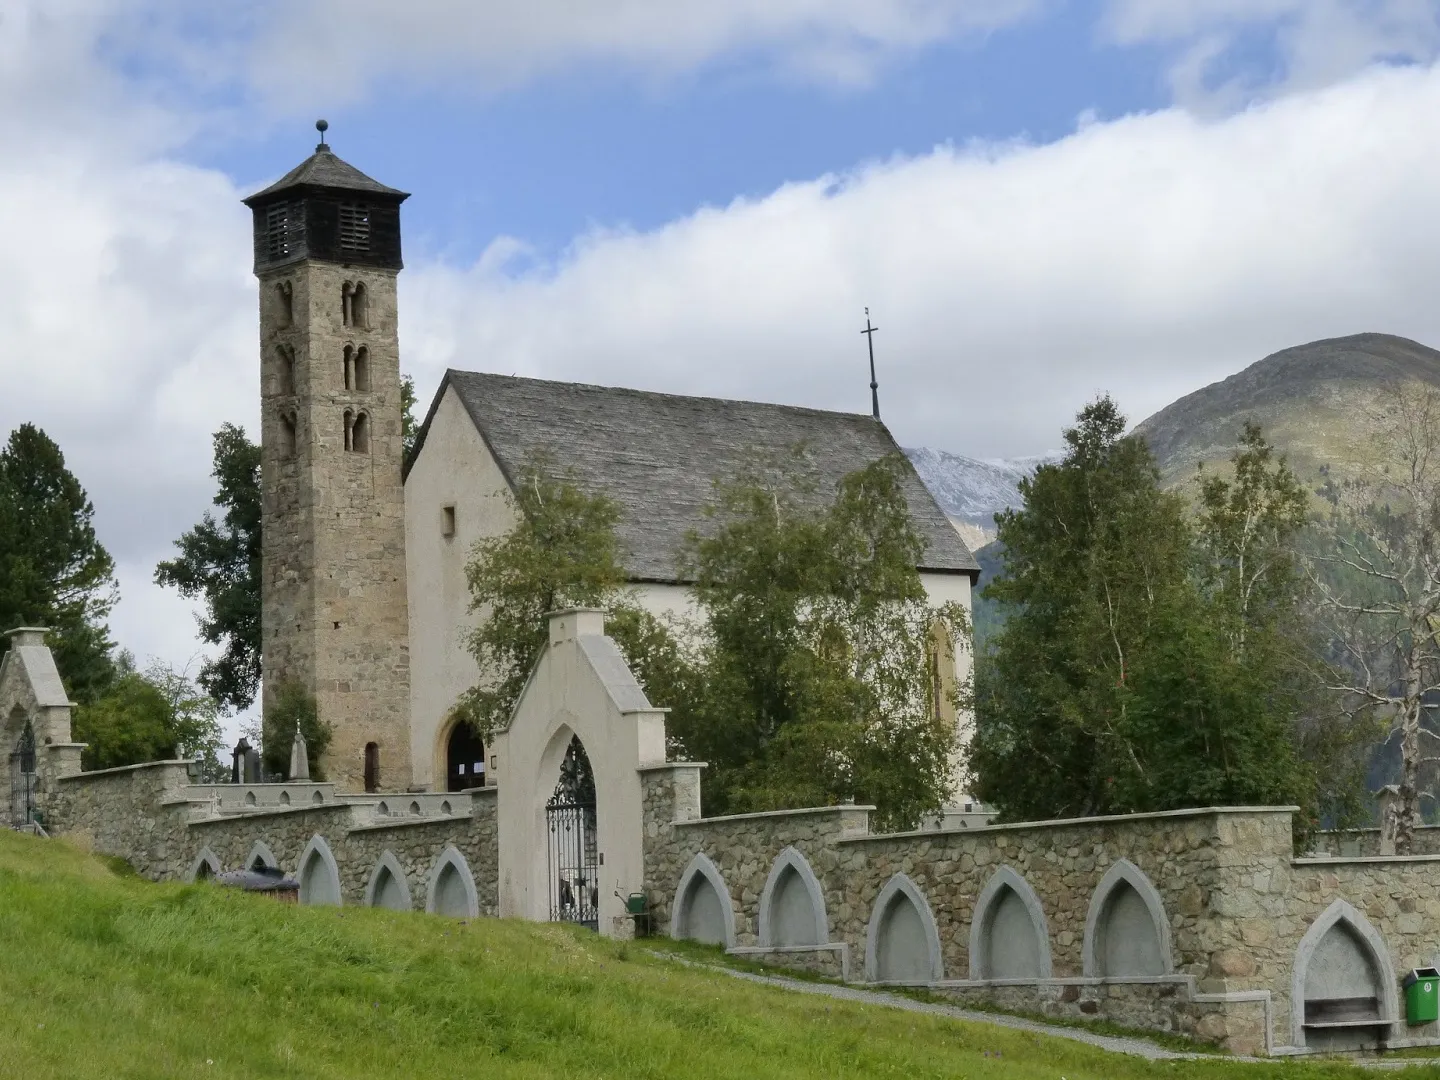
(972, 491)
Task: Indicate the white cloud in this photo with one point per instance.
(1315, 42)
(339, 46)
(1145, 256)
(125, 295)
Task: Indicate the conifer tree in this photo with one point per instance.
(54, 571)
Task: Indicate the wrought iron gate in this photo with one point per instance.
(573, 864)
(22, 780)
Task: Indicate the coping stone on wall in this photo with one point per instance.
(901, 883)
(702, 865)
(788, 859)
(1125, 870)
(1007, 878)
(1057, 823)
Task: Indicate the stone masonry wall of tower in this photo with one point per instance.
(334, 593)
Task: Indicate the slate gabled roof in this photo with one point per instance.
(656, 455)
(324, 169)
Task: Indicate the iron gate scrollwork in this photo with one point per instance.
(573, 863)
(22, 780)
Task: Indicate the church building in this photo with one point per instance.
(365, 601)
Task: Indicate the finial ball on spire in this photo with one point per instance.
(322, 126)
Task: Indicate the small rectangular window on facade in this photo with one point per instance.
(354, 227)
(447, 521)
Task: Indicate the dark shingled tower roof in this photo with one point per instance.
(656, 455)
(324, 169)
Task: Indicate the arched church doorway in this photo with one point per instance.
(464, 758)
(573, 866)
(22, 779)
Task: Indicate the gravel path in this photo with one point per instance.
(1117, 1044)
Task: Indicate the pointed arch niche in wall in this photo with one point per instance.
(451, 887)
(1342, 979)
(901, 942)
(1009, 938)
(1126, 931)
(261, 857)
(702, 910)
(319, 875)
(387, 886)
(792, 905)
(205, 866)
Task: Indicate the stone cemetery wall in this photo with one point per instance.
(430, 852)
(1196, 922)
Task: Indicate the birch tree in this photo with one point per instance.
(1378, 578)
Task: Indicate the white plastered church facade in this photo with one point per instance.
(656, 456)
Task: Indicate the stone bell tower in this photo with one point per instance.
(334, 620)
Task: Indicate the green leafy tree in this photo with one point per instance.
(409, 427)
(219, 564)
(561, 553)
(816, 664)
(53, 570)
(155, 715)
(292, 705)
(808, 677)
(1147, 661)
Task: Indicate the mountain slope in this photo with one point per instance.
(972, 491)
(1313, 402)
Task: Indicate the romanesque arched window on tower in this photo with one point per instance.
(349, 367)
(284, 305)
(357, 432)
(361, 369)
(354, 304)
(285, 379)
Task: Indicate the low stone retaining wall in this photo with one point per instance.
(1199, 922)
(168, 829)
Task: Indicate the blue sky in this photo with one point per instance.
(548, 160)
(1040, 200)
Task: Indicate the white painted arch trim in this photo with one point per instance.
(788, 859)
(901, 883)
(702, 865)
(387, 861)
(1007, 878)
(1126, 871)
(317, 845)
(451, 857)
(263, 852)
(1341, 911)
(205, 858)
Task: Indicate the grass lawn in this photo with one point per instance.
(105, 975)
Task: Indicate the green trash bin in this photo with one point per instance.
(1422, 995)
